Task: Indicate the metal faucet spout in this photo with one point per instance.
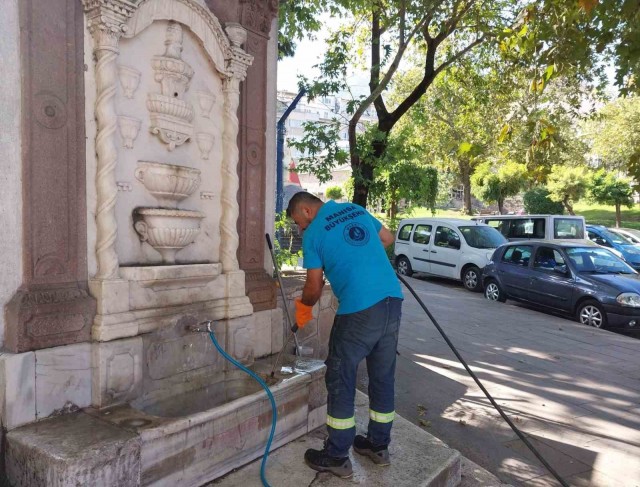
(202, 327)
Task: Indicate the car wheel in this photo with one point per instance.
(403, 266)
(591, 313)
(471, 278)
(493, 292)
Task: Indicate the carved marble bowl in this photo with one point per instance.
(167, 231)
(166, 105)
(167, 182)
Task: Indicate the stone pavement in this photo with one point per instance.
(419, 459)
(574, 390)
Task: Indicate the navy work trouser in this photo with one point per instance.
(372, 334)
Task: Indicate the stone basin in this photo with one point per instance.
(187, 440)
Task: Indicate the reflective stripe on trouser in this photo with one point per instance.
(372, 334)
(381, 417)
(341, 424)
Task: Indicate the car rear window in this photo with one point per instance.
(405, 231)
(527, 228)
(568, 228)
(518, 255)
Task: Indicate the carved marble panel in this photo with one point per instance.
(116, 371)
(171, 116)
(53, 179)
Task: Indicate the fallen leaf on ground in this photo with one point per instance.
(424, 422)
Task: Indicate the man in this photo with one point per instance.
(346, 243)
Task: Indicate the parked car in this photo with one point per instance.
(530, 227)
(447, 247)
(617, 243)
(630, 234)
(578, 278)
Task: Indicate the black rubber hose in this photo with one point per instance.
(486, 393)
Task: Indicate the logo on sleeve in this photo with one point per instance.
(356, 234)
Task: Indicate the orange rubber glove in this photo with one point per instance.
(304, 313)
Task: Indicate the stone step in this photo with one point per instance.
(71, 450)
(418, 459)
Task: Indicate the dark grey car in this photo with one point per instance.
(579, 278)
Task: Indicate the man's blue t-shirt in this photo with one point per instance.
(343, 240)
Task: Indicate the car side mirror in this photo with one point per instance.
(561, 269)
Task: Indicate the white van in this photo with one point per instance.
(446, 247)
(528, 227)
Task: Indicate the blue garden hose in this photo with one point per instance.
(274, 414)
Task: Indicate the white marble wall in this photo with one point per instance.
(63, 379)
(10, 157)
(17, 389)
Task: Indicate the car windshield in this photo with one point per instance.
(597, 261)
(616, 238)
(482, 237)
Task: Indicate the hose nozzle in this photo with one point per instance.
(202, 327)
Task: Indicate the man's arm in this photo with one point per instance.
(386, 236)
(312, 287)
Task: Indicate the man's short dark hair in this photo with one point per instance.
(300, 198)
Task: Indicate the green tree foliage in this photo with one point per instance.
(577, 35)
(319, 145)
(537, 201)
(348, 189)
(334, 193)
(549, 37)
(493, 184)
(456, 122)
(540, 128)
(607, 189)
(283, 244)
(615, 134)
(567, 185)
(402, 173)
(378, 34)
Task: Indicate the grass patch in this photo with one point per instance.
(606, 215)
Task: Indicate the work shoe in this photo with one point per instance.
(379, 454)
(320, 461)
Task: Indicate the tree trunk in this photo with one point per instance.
(393, 209)
(501, 206)
(465, 174)
(361, 183)
(362, 171)
(618, 216)
(568, 206)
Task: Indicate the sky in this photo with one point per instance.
(307, 54)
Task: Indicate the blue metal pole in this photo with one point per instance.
(281, 131)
